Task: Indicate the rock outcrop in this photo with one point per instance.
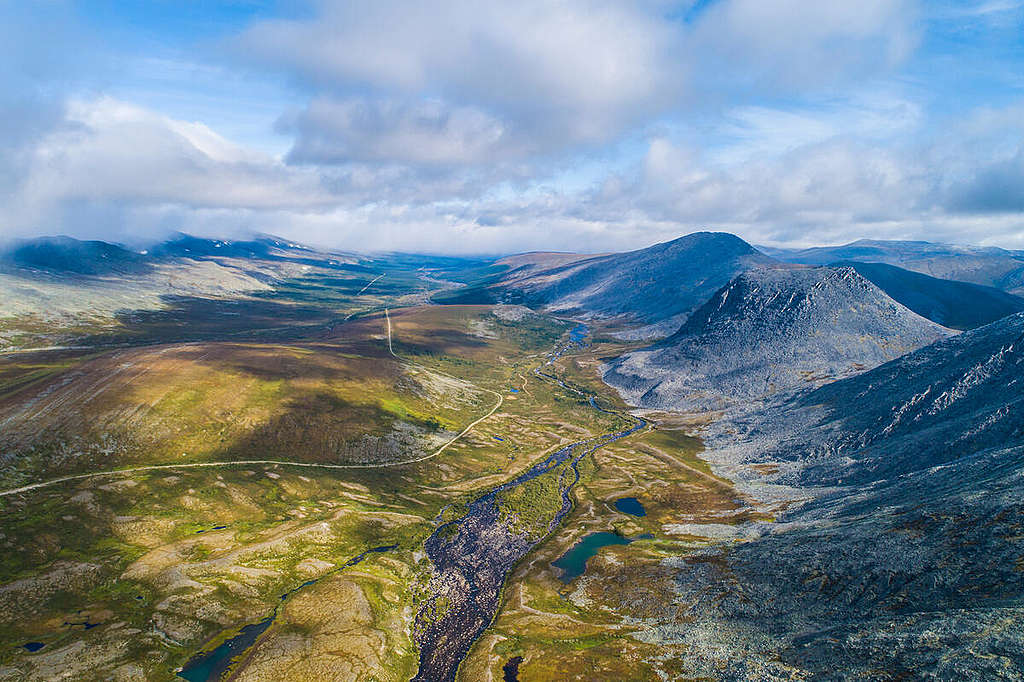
(771, 331)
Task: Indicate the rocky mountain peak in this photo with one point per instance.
(769, 331)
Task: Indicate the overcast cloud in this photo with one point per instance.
(469, 127)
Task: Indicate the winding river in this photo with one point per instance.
(473, 555)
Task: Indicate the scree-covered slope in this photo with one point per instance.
(771, 331)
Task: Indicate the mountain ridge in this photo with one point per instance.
(953, 304)
(984, 265)
(666, 281)
(771, 331)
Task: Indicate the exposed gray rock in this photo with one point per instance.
(923, 410)
(771, 331)
(905, 559)
(986, 265)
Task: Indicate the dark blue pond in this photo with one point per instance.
(86, 624)
(578, 333)
(630, 505)
(511, 669)
(376, 550)
(33, 646)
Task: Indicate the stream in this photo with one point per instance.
(473, 555)
(212, 664)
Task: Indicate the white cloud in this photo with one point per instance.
(107, 150)
(575, 69)
(331, 131)
(510, 88)
(464, 126)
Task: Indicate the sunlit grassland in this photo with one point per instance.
(141, 553)
(154, 537)
(313, 402)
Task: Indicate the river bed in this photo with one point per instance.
(472, 555)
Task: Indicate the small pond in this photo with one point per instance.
(630, 505)
(573, 563)
(511, 669)
(212, 665)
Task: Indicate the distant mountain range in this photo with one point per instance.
(988, 266)
(58, 290)
(658, 287)
(771, 331)
(958, 305)
(644, 294)
(68, 256)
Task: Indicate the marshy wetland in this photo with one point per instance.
(180, 571)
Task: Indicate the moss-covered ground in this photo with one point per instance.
(591, 628)
(128, 575)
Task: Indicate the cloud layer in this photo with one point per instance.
(491, 127)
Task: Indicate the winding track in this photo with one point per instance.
(250, 462)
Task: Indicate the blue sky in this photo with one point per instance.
(469, 127)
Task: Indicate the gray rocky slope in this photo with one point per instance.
(663, 282)
(957, 305)
(985, 265)
(771, 331)
(896, 551)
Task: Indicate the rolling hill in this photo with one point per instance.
(61, 291)
(660, 284)
(64, 255)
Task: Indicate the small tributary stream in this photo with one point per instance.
(211, 665)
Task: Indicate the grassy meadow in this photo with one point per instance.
(134, 572)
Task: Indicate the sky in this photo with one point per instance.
(468, 127)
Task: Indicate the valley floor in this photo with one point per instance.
(128, 574)
(290, 493)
